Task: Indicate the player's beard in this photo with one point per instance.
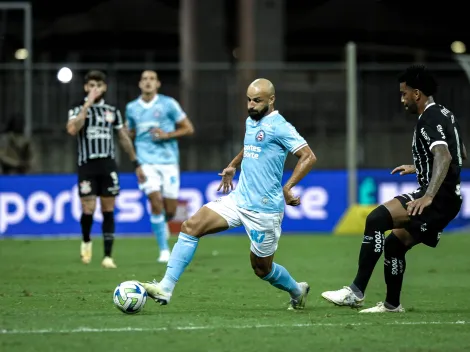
(258, 115)
(412, 108)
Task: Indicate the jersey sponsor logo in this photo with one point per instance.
(251, 151)
(97, 132)
(441, 131)
(425, 135)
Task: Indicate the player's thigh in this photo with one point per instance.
(405, 237)
(170, 175)
(213, 217)
(398, 207)
(264, 231)
(108, 185)
(153, 180)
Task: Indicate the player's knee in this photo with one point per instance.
(394, 247)
(190, 227)
(379, 219)
(88, 206)
(261, 270)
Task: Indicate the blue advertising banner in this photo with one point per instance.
(49, 204)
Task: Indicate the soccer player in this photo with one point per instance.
(155, 122)
(93, 122)
(257, 203)
(417, 217)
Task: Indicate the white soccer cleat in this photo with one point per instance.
(343, 297)
(108, 263)
(299, 302)
(86, 252)
(155, 291)
(380, 308)
(164, 256)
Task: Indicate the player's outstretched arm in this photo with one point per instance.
(229, 172)
(183, 128)
(303, 167)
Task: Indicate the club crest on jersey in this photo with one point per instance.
(260, 136)
(157, 114)
(109, 116)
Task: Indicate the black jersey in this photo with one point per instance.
(437, 125)
(95, 139)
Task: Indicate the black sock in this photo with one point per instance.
(108, 232)
(377, 222)
(86, 223)
(394, 269)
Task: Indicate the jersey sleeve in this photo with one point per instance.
(176, 112)
(432, 128)
(74, 111)
(130, 121)
(118, 122)
(289, 138)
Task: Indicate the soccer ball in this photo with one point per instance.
(130, 297)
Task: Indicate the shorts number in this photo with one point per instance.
(114, 176)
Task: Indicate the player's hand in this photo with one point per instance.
(93, 94)
(416, 207)
(227, 179)
(290, 198)
(159, 134)
(140, 175)
(404, 169)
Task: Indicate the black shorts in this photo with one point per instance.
(427, 227)
(98, 177)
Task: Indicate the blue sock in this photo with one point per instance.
(280, 278)
(181, 255)
(159, 230)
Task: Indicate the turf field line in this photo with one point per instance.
(219, 327)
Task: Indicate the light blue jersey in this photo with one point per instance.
(266, 145)
(162, 112)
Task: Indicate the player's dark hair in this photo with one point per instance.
(418, 77)
(95, 75)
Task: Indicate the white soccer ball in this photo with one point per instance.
(130, 297)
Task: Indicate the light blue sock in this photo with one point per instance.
(280, 278)
(181, 255)
(159, 230)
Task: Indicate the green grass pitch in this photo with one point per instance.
(52, 302)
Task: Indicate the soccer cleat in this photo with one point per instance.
(85, 252)
(380, 308)
(155, 291)
(108, 263)
(343, 297)
(164, 256)
(299, 302)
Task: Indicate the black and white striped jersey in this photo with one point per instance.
(437, 125)
(95, 139)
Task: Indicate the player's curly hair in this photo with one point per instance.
(95, 75)
(418, 77)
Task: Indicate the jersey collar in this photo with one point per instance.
(150, 103)
(427, 106)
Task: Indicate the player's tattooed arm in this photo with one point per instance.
(126, 144)
(236, 162)
(442, 160)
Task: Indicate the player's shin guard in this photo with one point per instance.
(86, 221)
(394, 269)
(280, 278)
(377, 222)
(159, 230)
(108, 232)
(181, 255)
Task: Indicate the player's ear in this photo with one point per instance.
(272, 99)
(85, 87)
(105, 87)
(159, 84)
(417, 94)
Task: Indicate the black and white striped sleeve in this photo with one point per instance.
(118, 121)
